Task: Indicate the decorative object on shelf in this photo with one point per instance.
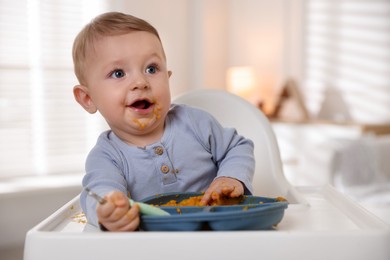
(289, 103)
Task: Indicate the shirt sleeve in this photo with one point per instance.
(104, 173)
(232, 153)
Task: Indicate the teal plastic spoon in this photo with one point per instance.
(145, 209)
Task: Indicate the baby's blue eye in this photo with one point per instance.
(117, 74)
(151, 69)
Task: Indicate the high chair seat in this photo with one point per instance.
(233, 111)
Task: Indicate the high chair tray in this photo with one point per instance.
(252, 213)
(323, 225)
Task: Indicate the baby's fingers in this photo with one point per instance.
(129, 222)
(119, 199)
(105, 210)
(227, 190)
(115, 208)
(233, 191)
(205, 199)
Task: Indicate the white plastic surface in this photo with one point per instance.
(328, 227)
(319, 223)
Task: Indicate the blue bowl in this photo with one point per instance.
(253, 213)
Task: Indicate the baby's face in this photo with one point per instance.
(128, 82)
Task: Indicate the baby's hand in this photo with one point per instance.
(116, 214)
(222, 186)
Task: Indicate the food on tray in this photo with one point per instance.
(79, 218)
(281, 199)
(195, 201)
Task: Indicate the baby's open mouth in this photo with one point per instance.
(141, 104)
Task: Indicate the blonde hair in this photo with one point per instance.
(107, 24)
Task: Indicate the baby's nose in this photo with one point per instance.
(140, 82)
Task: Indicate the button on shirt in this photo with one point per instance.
(193, 151)
(159, 150)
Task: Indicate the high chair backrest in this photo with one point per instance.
(233, 111)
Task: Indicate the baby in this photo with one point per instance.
(152, 146)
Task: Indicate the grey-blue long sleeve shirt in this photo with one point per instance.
(193, 151)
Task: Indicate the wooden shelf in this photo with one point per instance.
(377, 129)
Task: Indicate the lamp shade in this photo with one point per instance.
(241, 81)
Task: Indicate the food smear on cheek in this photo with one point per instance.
(157, 111)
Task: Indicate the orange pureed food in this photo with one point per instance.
(195, 201)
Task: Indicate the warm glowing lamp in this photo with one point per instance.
(241, 81)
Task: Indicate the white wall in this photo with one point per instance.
(203, 38)
(257, 37)
(171, 19)
(209, 46)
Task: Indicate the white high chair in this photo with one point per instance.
(320, 223)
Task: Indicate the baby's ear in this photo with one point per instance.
(169, 73)
(82, 96)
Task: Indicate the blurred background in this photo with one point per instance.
(320, 70)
